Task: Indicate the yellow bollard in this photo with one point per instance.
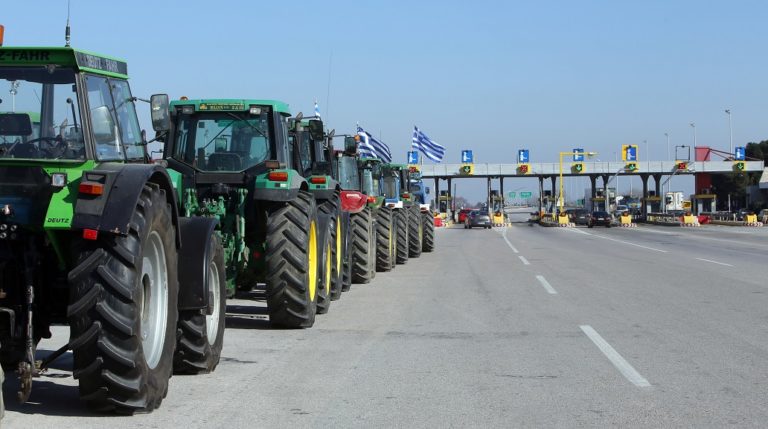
(563, 219)
(751, 218)
(498, 219)
(626, 220)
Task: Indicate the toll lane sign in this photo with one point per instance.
(466, 157)
(578, 155)
(522, 156)
(740, 153)
(413, 157)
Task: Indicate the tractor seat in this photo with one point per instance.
(224, 161)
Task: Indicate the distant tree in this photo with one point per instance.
(758, 150)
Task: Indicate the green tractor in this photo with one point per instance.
(358, 197)
(236, 164)
(314, 161)
(409, 222)
(90, 236)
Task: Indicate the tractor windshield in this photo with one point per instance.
(369, 184)
(222, 141)
(348, 175)
(390, 185)
(39, 114)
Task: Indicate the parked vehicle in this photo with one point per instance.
(599, 218)
(578, 216)
(478, 218)
(463, 215)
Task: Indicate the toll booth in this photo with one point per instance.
(704, 203)
(444, 202)
(652, 204)
(497, 202)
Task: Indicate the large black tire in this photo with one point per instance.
(332, 207)
(428, 241)
(386, 239)
(200, 337)
(415, 232)
(292, 262)
(401, 219)
(346, 259)
(325, 268)
(123, 310)
(361, 236)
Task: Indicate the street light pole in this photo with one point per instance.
(669, 156)
(693, 125)
(730, 132)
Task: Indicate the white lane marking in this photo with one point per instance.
(714, 262)
(546, 285)
(629, 243)
(619, 362)
(504, 234)
(525, 261)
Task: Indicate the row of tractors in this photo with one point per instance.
(138, 256)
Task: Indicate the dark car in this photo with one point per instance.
(478, 218)
(599, 218)
(463, 215)
(578, 216)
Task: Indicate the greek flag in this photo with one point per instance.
(431, 149)
(371, 148)
(317, 110)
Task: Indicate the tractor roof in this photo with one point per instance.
(67, 57)
(232, 105)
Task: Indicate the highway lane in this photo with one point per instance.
(472, 336)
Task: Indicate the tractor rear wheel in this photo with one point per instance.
(401, 219)
(123, 313)
(415, 232)
(361, 225)
(200, 337)
(386, 239)
(332, 207)
(325, 269)
(292, 262)
(428, 222)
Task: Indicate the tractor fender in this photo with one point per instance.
(123, 183)
(194, 255)
(265, 192)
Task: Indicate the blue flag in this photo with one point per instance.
(371, 148)
(317, 110)
(430, 148)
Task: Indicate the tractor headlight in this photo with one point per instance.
(59, 180)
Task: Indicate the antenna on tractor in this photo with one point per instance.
(66, 32)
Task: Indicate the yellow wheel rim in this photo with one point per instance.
(328, 269)
(338, 245)
(312, 253)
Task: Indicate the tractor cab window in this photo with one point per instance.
(223, 141)
(40, 114)
(348, 175)
(305, 154)
(390, 185)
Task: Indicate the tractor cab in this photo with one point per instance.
(49, 90)
(224, 141)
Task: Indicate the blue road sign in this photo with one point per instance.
(578, 155)
(740, 153)
(466, 157)
(522, 156)
(413, 157)
(631, 153)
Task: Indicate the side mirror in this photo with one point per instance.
(15, 124)
(159, 106)
(316, 129)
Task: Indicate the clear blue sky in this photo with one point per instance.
(492, 76)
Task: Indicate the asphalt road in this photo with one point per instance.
(512, 327)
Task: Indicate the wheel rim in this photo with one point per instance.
(312, 254)
(153, 300)
(328, 266)
(212, 321)
(338, 245)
